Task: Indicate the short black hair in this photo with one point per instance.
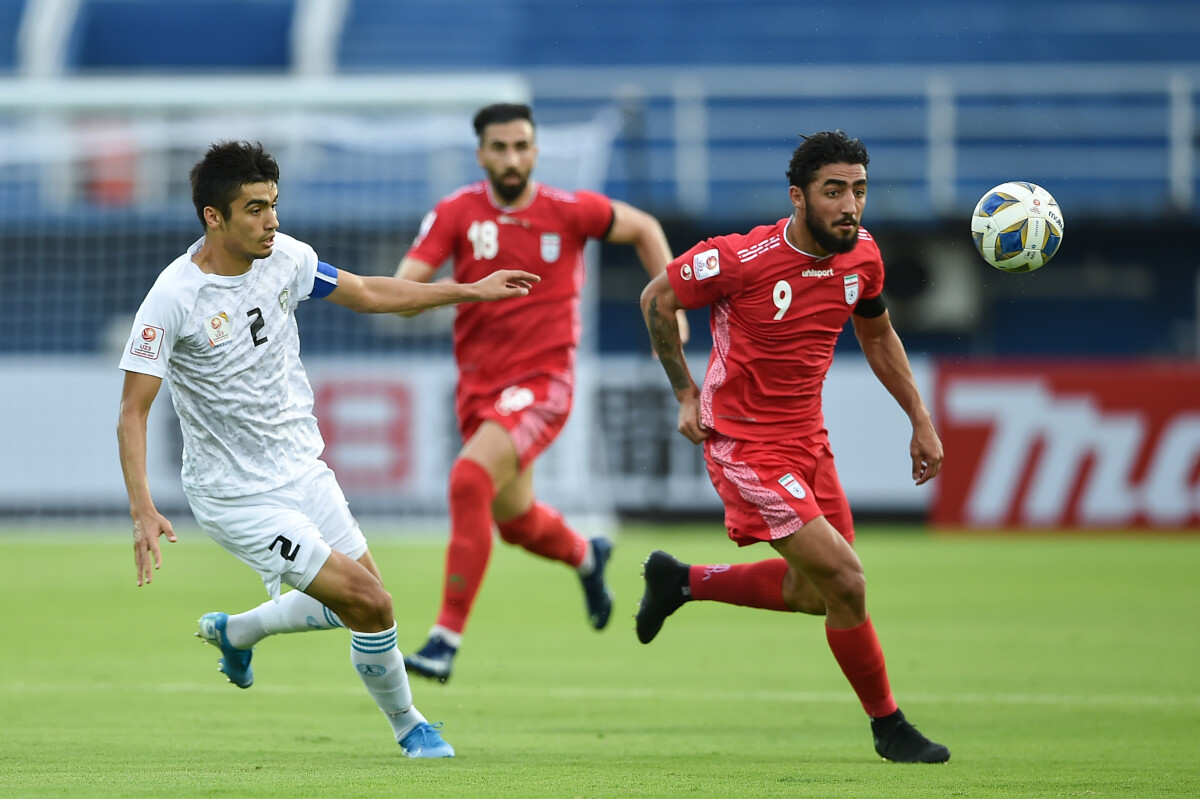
(499, 113)
(226, 167)
(821, 149)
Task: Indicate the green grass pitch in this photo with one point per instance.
(1061, 666)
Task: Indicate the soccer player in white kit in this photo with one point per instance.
(219, 325)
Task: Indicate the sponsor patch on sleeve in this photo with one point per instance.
(706, 264)
(148, 343)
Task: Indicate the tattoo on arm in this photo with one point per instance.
(664, 335)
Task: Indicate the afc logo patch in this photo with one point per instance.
(219, 329)
(148, 344)
(706, 264)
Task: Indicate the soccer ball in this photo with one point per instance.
(1017, 227)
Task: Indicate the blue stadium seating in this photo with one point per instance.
(10, 21)
(417, 34)
(181, 35)
(747, 135)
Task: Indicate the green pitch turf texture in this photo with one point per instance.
(1051, 666)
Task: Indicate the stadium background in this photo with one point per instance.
(1068, 396)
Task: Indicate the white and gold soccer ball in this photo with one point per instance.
(1017, 227)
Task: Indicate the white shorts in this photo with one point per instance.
(285, 535)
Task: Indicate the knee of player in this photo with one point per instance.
(469, 482)
(848, 586)
(802, 597)
(508, 533)
(513, 531)
(376, 603)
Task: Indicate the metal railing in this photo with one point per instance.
(1107, 140)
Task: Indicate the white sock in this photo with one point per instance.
(295, 612)
(447, 635)
(381, 666)
(589, 561)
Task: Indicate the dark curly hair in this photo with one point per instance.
(820, 149)
(226, 167)
(499, 113)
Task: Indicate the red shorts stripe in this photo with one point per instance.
(772, 489)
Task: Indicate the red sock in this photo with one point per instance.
(752, 585)
(471, 495)
(858, 652)
(542, 531)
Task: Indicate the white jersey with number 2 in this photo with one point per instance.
(229, 349)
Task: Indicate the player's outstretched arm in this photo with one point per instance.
(137, 396)
(885, 353)
(644, 232)
(412, 269)
(376, 294)
(660, 310)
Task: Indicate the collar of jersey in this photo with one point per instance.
(788, 242)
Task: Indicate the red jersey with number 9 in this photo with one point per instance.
(498, 343)
(776, 316)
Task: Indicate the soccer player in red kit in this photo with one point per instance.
(516, 369)
(779, 297)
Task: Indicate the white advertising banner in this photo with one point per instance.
(391, 436)
(58, 424)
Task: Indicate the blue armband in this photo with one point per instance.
(325, 281)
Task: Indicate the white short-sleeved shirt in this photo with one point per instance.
(229, 349)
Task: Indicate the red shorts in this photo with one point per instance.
(773, 488)
(533, 412)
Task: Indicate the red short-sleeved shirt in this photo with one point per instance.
(498, 343)
(776, 315)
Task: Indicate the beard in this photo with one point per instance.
(828, 240)
(508, 192)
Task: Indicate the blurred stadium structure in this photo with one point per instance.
(687, 109)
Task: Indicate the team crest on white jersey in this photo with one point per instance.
(706, 264)
(792, 485)
(219, 330)
(850, 282)
(551, 247)
(283, 300)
